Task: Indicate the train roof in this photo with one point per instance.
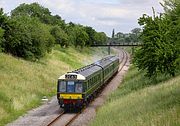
(89, 70)
(86, 71)
(106, 61)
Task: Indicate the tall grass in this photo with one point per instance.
(24, 83)
(140, 101)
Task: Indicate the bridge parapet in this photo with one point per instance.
(119, 44)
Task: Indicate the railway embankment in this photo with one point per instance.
(140, 101)
(23, 84)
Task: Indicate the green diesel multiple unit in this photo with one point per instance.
(75, 89)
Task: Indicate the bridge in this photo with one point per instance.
(111, 44)
(123, 44)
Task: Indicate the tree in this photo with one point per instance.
(31, 10)
(136, 31)
(1, 38)
(91, 33)
(113, 33)
(172, 8)
(38, 11)
(57, 20)
(127, 39)
(4, 27)
(2, 21)
(81, 37)
(159, 53)
(28, 38)
(60, 36)
(119, 35)
(31, 31)
(100, 38)
(78, 35)
(71, 31)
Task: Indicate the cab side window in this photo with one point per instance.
(62, 86)
(78, 88)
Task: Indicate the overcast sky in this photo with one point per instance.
(102, 15)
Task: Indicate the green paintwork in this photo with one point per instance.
(90, 90)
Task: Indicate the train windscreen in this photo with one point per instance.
(70, 86)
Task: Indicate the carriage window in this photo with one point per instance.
(70, 86)
(78, 88)
(62, 86)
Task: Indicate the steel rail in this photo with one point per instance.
(54, 120)
(71, 121)
(125, 55)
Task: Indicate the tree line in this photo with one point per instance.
(160, 51)
(132, 37)
(31, 31)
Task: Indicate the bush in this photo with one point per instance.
(28, 38)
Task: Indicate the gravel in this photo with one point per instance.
(40, 116)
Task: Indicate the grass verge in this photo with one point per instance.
(140, 101)
(24, 83)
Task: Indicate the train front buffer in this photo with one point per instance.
(70, 100)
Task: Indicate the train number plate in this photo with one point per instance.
(69, 76)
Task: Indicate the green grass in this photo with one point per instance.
(140, 101)
(24, 83)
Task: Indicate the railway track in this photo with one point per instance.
(124, 60)
(54, 120)
(66, 119)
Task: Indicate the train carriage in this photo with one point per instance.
(77, 88)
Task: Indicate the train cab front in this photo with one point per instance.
(70, 91)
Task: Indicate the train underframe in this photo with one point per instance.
(71, 104)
